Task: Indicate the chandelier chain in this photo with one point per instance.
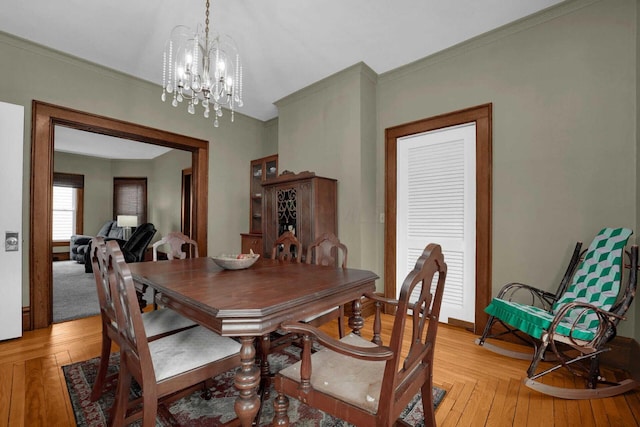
(206, 23)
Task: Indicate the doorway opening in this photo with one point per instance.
(44, 119)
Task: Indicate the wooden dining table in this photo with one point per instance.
(252, 303)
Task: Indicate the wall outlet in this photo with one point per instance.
(11, 241)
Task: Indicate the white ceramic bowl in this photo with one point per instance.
(231, 262)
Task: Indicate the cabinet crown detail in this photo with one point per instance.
(287, 176)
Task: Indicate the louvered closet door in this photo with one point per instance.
(436, 204)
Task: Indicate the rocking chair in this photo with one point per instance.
(577, 322)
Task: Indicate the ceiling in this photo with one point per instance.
(285, 45)
(68, 140)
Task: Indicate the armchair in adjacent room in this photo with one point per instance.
(79, 243)
(132, 249)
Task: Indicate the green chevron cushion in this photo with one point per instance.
(597, 282)
(532, 320)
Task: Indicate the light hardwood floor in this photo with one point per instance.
(483, 389)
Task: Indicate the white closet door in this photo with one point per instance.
(436, 204)
(12, 143)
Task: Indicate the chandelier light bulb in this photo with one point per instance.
(200, 65)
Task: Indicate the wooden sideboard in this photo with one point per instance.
(304, 203)
(251, 242)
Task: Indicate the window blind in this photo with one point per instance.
(130, 198)
(68, 180)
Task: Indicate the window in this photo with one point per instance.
(68, 191)
(130, 198)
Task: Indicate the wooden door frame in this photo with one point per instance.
(482, 116)
(44, 119)
(186, 198)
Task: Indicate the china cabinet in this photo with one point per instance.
(261, 170)
(303, 203)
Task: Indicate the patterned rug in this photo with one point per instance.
(194, 411)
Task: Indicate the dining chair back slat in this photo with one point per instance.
(287, 248)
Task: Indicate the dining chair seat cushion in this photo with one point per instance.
(189, 349)
(355, 381)
(160, 322)
(315, 316)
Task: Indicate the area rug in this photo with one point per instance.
(74, 292)
(194, 411)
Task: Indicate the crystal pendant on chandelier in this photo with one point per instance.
(202, 68)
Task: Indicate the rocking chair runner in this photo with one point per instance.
(366, 383)
(577, 322)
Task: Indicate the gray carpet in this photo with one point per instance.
(74, 292)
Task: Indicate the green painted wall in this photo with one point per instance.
(563, 86)
(164, 186)
(321, 129)
(564, 89)
(98, 187)
(165, 191)
(32, 72)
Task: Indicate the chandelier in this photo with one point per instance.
(202, 69)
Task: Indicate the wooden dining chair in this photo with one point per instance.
(157, 323)
(366, 383)
(287, 248)
(165, 366)
(327, 250)
(175, 241)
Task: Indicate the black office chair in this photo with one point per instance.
(132, 249)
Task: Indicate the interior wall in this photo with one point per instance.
(164, 187)
(563, 85)
(34, 72)
(98, 187)
(564, 90)
(320, 129)
(270, 144)
(165, 191)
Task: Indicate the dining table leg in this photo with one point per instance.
(356, 321)
(247, 381)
